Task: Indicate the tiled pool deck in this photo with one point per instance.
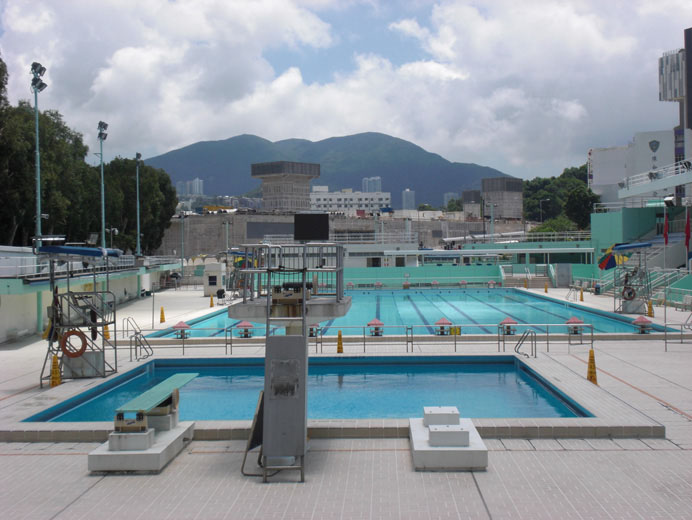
(633, 460)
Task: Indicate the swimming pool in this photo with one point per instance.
(338, 388)
(477, 311)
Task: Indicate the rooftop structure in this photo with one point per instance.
(504, 195)
(348, 201)
(285, 184)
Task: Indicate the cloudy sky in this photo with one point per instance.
(523, 86)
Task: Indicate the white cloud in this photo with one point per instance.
(526, 87)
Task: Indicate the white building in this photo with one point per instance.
(195, 186)
(648, 151)
(408, 199)
(348, 201)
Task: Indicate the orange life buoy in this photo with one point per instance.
(66, 346)
(628, 293)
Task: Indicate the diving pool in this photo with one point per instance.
(477, 311)
(338, 388)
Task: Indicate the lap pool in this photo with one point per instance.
(338, 388)
(476, 311)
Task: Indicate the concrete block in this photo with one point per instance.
(129, 441)
(440, 415)
(447, 435)
(447, 458)
(167, 445)
(163, 422)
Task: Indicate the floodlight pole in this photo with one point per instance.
(138, 157)
(36, 71)
(226, 222)
(103, 196)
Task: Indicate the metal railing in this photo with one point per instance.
(671, 170)
(365, 237)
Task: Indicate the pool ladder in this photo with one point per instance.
(529, 334)
(142, 347)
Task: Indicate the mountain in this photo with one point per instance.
(225, 165)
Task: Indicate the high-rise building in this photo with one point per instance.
(408, 199)
(371, 184)
(195, 186)
(674, 80)
(181, 188)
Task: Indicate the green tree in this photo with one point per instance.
(3, 83)
(70, 188)
(455, 205)
(579, 205)
(425, 207)
(157, 203)
(558, 224)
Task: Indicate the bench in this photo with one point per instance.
(158, 400)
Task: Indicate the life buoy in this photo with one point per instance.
(628, 293)
(66, 346)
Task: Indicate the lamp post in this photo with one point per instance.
(226, 223)
(37, 85)
(540, 206)
(182, 243)
(138, 158)
(492, 221)
(112, 231)
(102, 127)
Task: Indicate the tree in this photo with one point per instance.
(425, 207)
(553, 192)
(579, 205)
(455, 205)
(558, 224)
(157, 203)
(3, 84)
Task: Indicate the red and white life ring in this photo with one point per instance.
(67, 347)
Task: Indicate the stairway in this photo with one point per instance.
(535, 282)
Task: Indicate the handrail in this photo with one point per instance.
(530, 333)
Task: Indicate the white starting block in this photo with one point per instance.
(152, 438)
(441, 441)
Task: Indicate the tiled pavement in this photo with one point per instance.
(372, 478)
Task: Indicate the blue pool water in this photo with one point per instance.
(477, 311)
(357, 388)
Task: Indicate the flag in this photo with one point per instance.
(687, 230)
(665, 230)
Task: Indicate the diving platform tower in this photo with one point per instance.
(288, 286)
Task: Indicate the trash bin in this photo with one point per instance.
(597, 288)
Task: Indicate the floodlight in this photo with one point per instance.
(102, 136)
(37, 69)
(138, 156)
(669, 200)
(103, 126)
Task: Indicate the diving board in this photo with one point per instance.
(153, 437)
(156, 395)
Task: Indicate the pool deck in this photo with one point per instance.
(634, 460)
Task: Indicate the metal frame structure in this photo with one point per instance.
(284, 284)
(90, 316)
(632, 283)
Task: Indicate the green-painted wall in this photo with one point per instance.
(444, 274)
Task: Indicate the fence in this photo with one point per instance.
(373, 338)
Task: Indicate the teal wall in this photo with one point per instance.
(626, 225)
(444, 274)
(683, 283)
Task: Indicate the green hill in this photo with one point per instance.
(225, 165)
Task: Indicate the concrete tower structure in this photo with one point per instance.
(285, 184)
